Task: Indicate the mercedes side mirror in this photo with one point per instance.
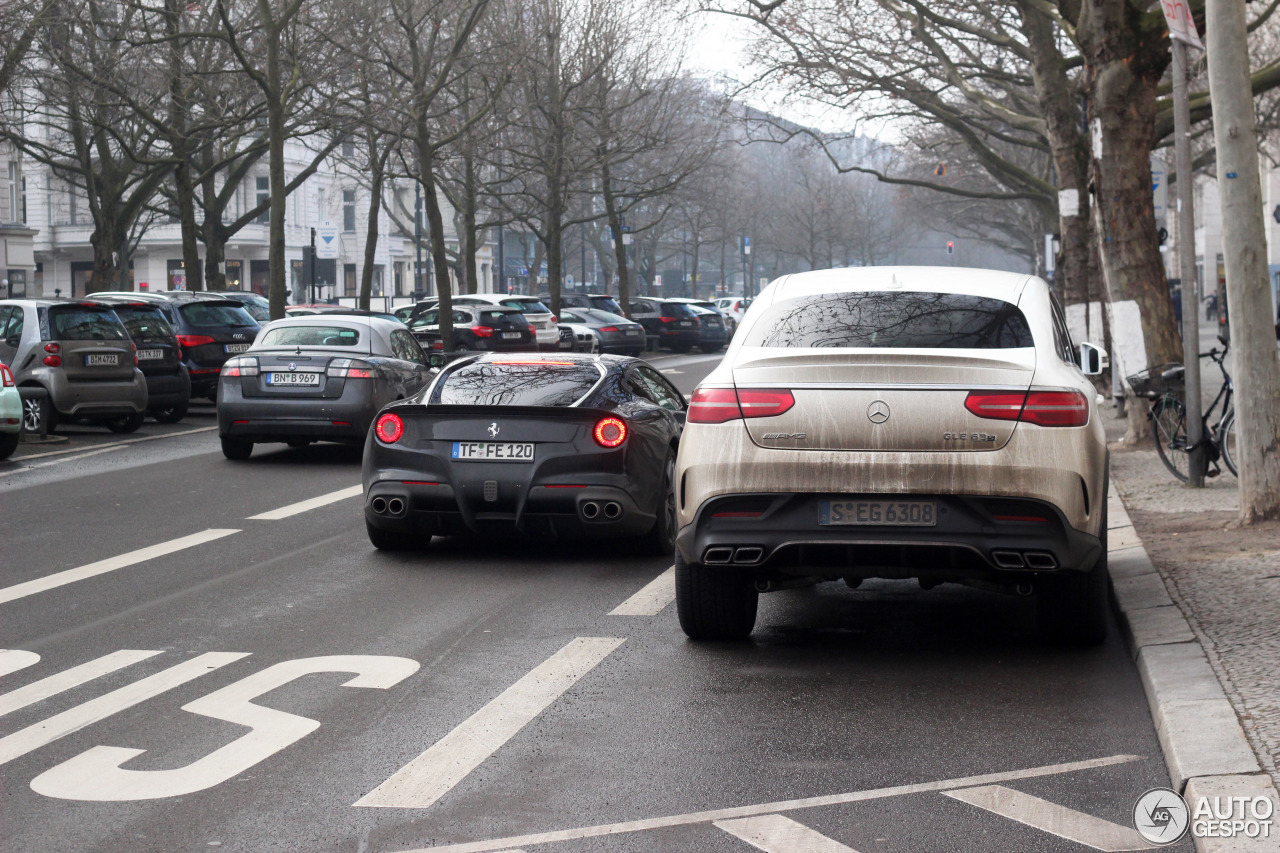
(1090, 359)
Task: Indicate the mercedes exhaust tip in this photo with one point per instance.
(590, 510)
(717, 556)
(1008, 559)
(1041, 560)
(748, 555)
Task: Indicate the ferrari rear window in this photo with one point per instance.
(309, 336)
(515, 384)
(893, 319)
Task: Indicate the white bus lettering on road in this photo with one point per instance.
(96, 774)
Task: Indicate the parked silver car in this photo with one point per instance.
(912, 422)
(81, 354)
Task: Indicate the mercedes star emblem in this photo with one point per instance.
(878, 412)
(293, 366)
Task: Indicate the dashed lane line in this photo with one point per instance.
(312, 503)
(74, 719)
(22, 590)
(69, 678)
(774, 833)
(451, 759)
(501, 844)
(114, 444)
(1052, 818)
(652, 598)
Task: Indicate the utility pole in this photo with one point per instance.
(1244, 248)
(1179, 40)
(313, 267)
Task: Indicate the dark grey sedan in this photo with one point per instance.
(615, 333)
(319, 378)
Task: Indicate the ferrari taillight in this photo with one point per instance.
(389, 428)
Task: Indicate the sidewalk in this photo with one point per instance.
(1225, 582)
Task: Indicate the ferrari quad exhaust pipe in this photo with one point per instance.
(590, 510)
(387, 506)
(379, 505)
(612, 510)
(395, 506)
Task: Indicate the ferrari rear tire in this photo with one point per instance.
(394, 540)
(661, 539)
(714, 603)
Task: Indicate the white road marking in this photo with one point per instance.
(312, 503)
(433, 774)
(1052, 818)
(74, 719)
(652, 598)
(106, 449)
(69, 678)
(774, 833)
(497, 844)
(12, 660)
(116, 444)
(12, 593)
(96, 774)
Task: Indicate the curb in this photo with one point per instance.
(1204, 746)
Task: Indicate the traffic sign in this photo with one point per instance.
(327, 241)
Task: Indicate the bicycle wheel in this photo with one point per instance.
(1169, 423)
(1227, 435)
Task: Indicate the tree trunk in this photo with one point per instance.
(468, 237)
(184, 192)
(377, 165)
(435, 228)
(693, 267)
(1244, 249)
(619, 247)
(106, 241)
(554, 226)
(275, 141)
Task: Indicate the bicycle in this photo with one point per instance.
(1164, 385)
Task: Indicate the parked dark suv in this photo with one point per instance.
(209, 328)
(597, 301)
(667, 324)
(159, 358)
(478, 327)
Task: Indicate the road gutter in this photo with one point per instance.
(1204, 745)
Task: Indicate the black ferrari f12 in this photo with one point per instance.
(571, 446)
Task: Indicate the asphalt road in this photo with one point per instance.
(184, 676)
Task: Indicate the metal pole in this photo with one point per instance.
(312, 280)
(1187, 264)
(502, 263)
(417, 240)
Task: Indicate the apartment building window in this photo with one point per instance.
(320, 211)
(264, 195)
(348, 148)
(13, 193)
(348, 210)
(349, 279)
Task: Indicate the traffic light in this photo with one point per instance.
(951, 248)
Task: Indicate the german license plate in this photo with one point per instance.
(102, 360)
(510, 336)
(230, 348)
(150, 354)
(493, 451)
(879, 513)
(631, 332)
(293, 379)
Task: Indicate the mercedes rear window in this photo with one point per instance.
(212, 315)
(531, 306)
(498, 384)
(493, 318)
(81, 323)
(144, 323)
(893, 319)
(309, 336)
